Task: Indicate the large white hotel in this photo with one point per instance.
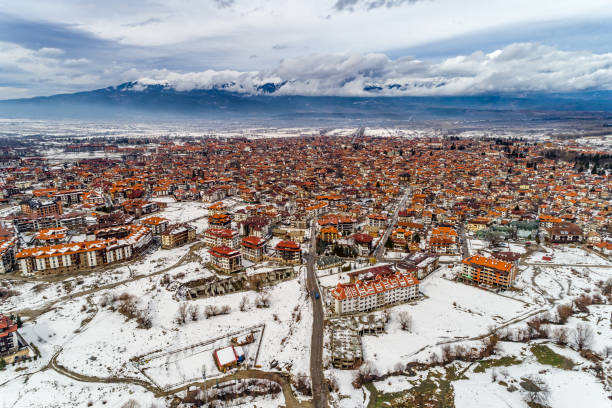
(363, 296)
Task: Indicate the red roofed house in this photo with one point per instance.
(363, 296)
(253, 248)
(11, 348)
(225, 259)
(363, 242)
(289, 252)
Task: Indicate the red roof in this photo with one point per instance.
(223, 251)
(253, 242)
(287, 246)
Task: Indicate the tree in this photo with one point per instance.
(583, 336)
(181, 314)
(389, 243)
(537, 390)
(244, 304)
(560, 336)
(194, 312)
(417, 238)
(2, 363)
(405, 320)
(564, 312)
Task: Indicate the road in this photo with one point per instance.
(379, 251)
(319, 391)
(464, 241)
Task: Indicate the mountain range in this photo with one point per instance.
(163, 101)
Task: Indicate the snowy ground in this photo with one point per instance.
(567, 255)
(98, 341)
(454, 313)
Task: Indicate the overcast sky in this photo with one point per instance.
(337, 47)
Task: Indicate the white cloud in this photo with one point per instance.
(517, 67)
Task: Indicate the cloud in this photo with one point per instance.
(521, 67)
(350, 5)
(50, 52)
(224, 3)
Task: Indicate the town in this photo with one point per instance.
(324, 268)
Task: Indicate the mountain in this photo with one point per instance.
(132, 99)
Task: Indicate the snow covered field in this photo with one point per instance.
(458, 314)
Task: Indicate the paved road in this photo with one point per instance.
(464, 241)
(379, 251)
(319, 391)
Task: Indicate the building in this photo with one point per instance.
(289, 252)
(40, 208)
(12, 346)
(253, 248)
(7, 254)
(51, 236)
(564, 233)
(376, 222)
(478, 223)
(329, 234)
(363, 244)
(111, 245)
(604, 248)
(363, 296)
(257, 226)
(157, 224)
(219, 220)
(225, 259)
(419, 264)
(488, 271)
(176, 235)
(222, 237)
(228, 357)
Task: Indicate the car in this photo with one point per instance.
(316, 294)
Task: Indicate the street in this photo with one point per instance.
(379, 251)
(319, 391)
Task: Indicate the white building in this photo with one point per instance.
(365, 296)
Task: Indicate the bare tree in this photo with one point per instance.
(583, 336)
(244, 304)
(302, 384)
(262, 301)
(181, 315)
(447, 354)
(537, 390)
(405, 320)
(564, 312)
(560, 335)
(194, 312)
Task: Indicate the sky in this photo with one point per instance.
(314, 47)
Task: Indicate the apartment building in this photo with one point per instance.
(111, 245)
(289, 252)
(176, 235)
(222, 237)
(225, 259)
(363, 296)
(253, 248)
(488, 271)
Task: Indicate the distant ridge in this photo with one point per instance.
(162, 100)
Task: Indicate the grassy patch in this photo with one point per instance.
(434, 390)
(548, 357)
(505, 361)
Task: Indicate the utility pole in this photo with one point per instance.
(205, 390)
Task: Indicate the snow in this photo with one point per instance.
(450, 311)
